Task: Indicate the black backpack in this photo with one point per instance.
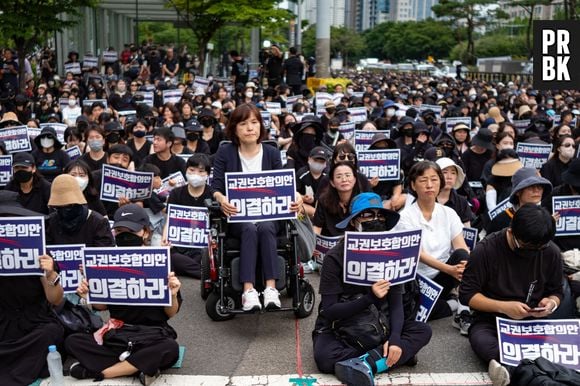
(542, 372)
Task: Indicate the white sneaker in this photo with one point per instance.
(498, 374)
(271, 298)
(251, 300)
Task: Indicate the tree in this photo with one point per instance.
(27, 22)
(206, 17)
(529, 7)
(468, 12)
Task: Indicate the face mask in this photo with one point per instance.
(506, 147)
(307, 142)
(192, 137)
(390, 113)
(408, 132)
(429, 121)
(349, 90)
(372, 226)
(316, 167)
(96, 145)
(333, 129)
(83, 182)
(139, 134)
(46, 142)
(113, 138)
(249, 94)
(72, 102)
(567, 152)
(195, 180)
(71, 217)
(128, 239)
(205, 122)
(331, 110)
(22, 176)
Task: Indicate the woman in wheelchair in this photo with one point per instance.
(246, 153)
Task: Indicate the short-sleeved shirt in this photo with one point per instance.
(437, 233)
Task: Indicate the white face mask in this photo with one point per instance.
(46, 142)
(83, 182)
(567, 152)
(249, 94)
(72, 102)
(390, 112)
(195, 180)
(316, 167)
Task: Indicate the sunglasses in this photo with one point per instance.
(349, 156)
(569, 145)
(371, 215)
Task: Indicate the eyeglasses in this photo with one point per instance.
(569, 145)
(372, 215)
(349, 156)
(346, 176)
(134, 85)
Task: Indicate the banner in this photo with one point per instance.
(131, 276)
(470, 237)
(451, 122)
(505, 204)
(5, 169)
(69, 257)
(384, 164)
(436, 108)
(110, 56)
(533, 155)
(291, 100)
(321, 98)
(569, 209)
(363, 139)
(21, 243)
(187, 226)
(118, 182)
(90, 102)
(266, 118)
(275, 108)
(73, 68)
(200, 82)
(74, 152)
(90, 62)
(148, 97)
(371, 256)
(347, 130)
(357, 114)
(555, 340)
(16, 139)
(430, 292)
(323, 245)
(521, 125)
(166, 188)
(172, 96)
(261, 196)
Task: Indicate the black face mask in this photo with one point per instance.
(113, 138)
(22, 176)
(408, 132)
(192, 137)
(72, 217)
(429, 121)
(139, 134)
(330, 111)
(205, 122)
(307, 142)
(128, 239)
(333, 129)
(373, 226)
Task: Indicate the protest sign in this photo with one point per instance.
(321, 98)
(118, 182)
(5, 169)
(131, 276)
(323, 245)
(261, 196)
(21, 243)
(372, 256)
(284, 156)
(60, 128)
(110, 56)
(363, 139)
(148, 97)
(69, 258)
(33, 132)
(470, 237)
(500, 207)
(555, 340)
(200, 82)
(347, 130)
(452, 121)
(384, 164)
(74, 152)
(436, 109)
(533, 155)
(176, 178)
(569, 209)
(521, 125)
(90, 62)
(15, 139)
(172, 96)
(357, 114)
(291, 100)
(73, 68)
(275, 108)
(187, 226)
(90, 102)
(430, 292)
(266, 118)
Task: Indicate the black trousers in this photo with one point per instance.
(441, 308)
(156, 356)
(328, 349)
(186, 262)
(483, 340)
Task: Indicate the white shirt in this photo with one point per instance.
(253, 164)
(437, 233)
(70, 114)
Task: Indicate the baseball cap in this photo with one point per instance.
(318, 153)
(22, 159)
(131, 216)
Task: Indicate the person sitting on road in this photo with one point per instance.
(355, 365)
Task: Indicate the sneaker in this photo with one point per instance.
(354, 372)
(498, 374)
(78, 371)
(251, 300)
(271, 298)
(462, 321)
(412, 362)
(147, 380)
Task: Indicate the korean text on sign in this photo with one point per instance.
(69, 258)
(118, 182)
(555, 340)
(430, 292)
(21, 243)
(15, 139)
(128, 275)
(384, 164)
(372, 256)
(363, 139)
(323, 245)
(569, 209)
(187, 226)
(505, 204)
(5, 169)
(262, 196)
(470, 237)
(533, 155)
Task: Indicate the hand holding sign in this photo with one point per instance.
(47, 265)
(174, 284)
(381, 288)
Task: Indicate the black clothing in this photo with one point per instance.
(305, 179)
(501, 221)
(274, 69)
(139, 154)
(172, 165)
(95, 232)
(240, 72)
(565, 243)
(474, 163)
(170, 64)
(37, 199)
(553, 169)
(460, 205)
(327, 221)
(94, 165)
(214, 141)
(50, 165)
(294, 70)
(201, 147)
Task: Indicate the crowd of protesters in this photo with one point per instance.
(451, 177)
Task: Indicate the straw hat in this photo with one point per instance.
(506, 167)
(9, 118)
(65, 190)
(496, 114)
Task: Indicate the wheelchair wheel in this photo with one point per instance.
(212, 306)
(204, 292)
(306, 300)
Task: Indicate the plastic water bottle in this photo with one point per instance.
(55, 366)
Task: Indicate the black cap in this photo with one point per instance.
(22, 159)
(121, 149)
(318, 153)
(131, 216)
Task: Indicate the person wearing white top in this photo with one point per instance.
(71, 112)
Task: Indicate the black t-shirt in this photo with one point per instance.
(327, 221)
(474, 163)
(50, 165)
(170, 64)
(95, 232)
(94, 165)
(172, 165)
(181, 196)
(460, 205)
(37, 199)
(240, 70)
(305, 178)
(214, 141)
(139, 154)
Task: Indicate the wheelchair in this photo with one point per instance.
(220, 263)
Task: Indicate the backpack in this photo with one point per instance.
(542, 372)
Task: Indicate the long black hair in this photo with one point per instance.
(329, 198)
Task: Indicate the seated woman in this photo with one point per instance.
(32, 188)
(247, 154)
(27, 324)
(444, 253)
(100, 362)
(82, 173)
(353, 364)
(448, 195)
(499, 184)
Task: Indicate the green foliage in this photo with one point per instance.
(167, 33)
(492, 45)
(349, 44)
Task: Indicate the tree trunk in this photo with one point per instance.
(470, 43)
(21, 70)
(529, 33)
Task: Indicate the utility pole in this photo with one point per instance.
(322, 38)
